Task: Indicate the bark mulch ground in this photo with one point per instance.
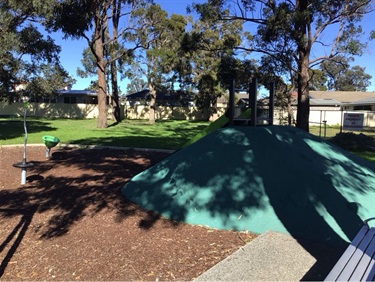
(70, 222)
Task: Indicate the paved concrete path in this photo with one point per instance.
(272, 256)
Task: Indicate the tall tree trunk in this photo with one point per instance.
(289, 109)
(151, 119)
(303, 110)
(102, 82)
(102, 96)
(303, 37)
(116, 112)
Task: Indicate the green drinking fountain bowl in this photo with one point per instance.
(50, 142)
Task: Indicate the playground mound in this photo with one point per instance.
(274, 178)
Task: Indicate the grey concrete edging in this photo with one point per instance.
(272, 256)
(96, 147)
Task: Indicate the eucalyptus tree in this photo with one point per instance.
(93, 20)
(209, 46)
(52, 77)
(26, 55)
(342, 77)
(232, 68)
(318, 80)
(290, 29)
(159, 36)
(271, 69)
(137, 78)
(89, 68)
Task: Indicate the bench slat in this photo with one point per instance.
(342, 262)
(369, 275)
(355, 259)
(364, 266)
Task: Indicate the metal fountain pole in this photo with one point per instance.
(23, 170)
(24, 165)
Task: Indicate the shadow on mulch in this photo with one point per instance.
(16, 236)
(70, 222)
(73, 181)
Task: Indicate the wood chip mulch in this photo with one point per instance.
(70, 222)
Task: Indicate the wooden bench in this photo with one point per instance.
(358, 261)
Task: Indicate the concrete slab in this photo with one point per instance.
(273, 256)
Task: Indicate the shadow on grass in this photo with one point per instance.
(14, 128)
(170, 137)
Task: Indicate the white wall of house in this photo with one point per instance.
(168, 112)
(53, 110)
(332, 116)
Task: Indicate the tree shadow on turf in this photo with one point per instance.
(264, 178)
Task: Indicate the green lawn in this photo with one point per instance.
(129, 133)
(333, 130)
(370, 156)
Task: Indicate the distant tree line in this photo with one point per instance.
(136, 39)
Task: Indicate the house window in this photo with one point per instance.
(362, 108)
(70, 100)
(91, 100)
(49, 100)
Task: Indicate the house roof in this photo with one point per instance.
(364, 101)
(77, 92)
(166, 95)
(324, 102)
(342, 96)
(138, 95)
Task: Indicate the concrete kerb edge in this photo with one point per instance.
(96, 147)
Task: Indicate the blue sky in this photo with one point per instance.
(71, 53)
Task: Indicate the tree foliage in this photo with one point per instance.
(209, 47)
(318, 80)
(53, 77)
(26, 55)
(288, 31)
(159, 37)
(342, 77)
(94, 20)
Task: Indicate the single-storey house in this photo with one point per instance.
(76, 97)
(330, 106)
(367, 104)
(349, 100)
(165, 98)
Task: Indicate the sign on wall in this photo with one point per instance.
(353, 121)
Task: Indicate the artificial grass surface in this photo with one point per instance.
(262, 178)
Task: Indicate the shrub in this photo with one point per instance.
(354, 142)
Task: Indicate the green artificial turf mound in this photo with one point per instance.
(261, 178)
